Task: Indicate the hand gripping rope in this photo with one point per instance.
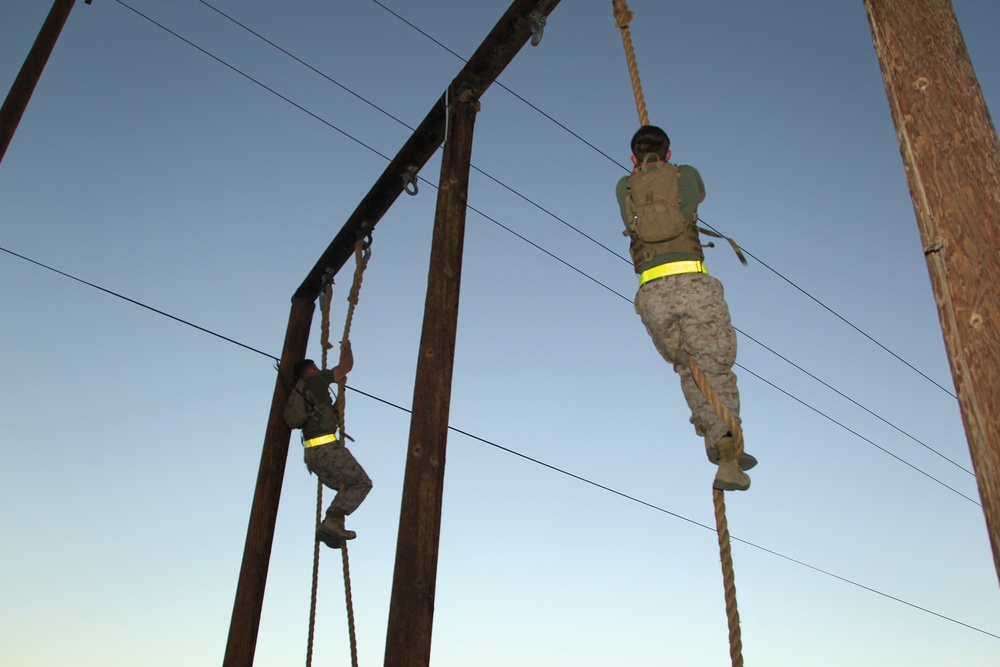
(623, 17)
(362, 253)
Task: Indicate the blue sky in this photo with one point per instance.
(129, 442)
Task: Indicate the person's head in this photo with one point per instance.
(303, 368)
(650, 140)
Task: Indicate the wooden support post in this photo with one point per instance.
(511, 32)
(411, 610)
(950, 151)
(31, 71)
(504, 42)
(263, 513)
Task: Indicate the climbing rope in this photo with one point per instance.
(728, 578)
(315, 580)
(362, 252)
(623, 17)
(350, 606)
(361, 255)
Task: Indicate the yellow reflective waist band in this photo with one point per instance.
(319, 440)
(671, 269)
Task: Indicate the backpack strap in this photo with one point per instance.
(736, 248)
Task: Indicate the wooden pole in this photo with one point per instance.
(411, 610)
(494, 54)
(506, 39)
(950, 151)
(264, 511)
(31, 71)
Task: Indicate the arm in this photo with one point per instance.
(341, 370)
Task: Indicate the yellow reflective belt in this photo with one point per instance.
(670, 269)
(319, 440)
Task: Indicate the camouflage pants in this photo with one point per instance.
(686, 315)
(337, 468)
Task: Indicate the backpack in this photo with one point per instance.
(296, 410)
(653, 205)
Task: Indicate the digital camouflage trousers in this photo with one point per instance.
(686, 315)
(337, 468)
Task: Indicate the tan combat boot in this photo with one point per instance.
(747, 461)
(729, 476)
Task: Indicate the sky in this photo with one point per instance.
(176, 161)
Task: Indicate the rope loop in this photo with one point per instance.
(623, 15)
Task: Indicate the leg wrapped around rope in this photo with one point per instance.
(732, 460)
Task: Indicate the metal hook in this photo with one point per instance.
(326, 281)
(537, 28)
(409, 182)
(366, 249)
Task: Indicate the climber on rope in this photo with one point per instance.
(681, 305)
(310, 408)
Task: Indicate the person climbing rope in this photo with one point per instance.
(682, 307)
(310, 408)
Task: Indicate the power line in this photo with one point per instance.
(843, 319)
(587, 236)
(525, 239)
(250, 78)
(499, 85)
(853, 432)
(301, 62)
(508, 450)
(598, 150)
(138, 303)
(478, 438)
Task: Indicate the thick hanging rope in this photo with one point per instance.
(623, 17)
(361, 262)
(728, 579)
(326, 296)
(315, 580)
(350, 606)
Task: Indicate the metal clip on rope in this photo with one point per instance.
(366, 249)
(409, 183)
(326, 281)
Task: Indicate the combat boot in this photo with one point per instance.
(729, 477)
(332, 530)
(747, 461)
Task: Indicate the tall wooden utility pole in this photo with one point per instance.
(414, 583)
(952, 158)
(411, 610)
(245, 622)
(24, 85)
